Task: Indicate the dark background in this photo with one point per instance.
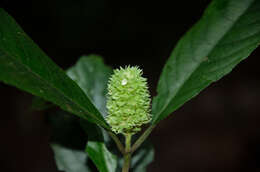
(216, 131)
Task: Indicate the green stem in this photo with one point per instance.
(117, 141)
(142, 138)
(127, 154)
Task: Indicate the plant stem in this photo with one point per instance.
(127, 162)
(142, 138)
(127, 154)
(118, 142)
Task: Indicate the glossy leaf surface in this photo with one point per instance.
(24, 65)
(226, 34)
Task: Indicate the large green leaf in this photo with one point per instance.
(24, 65)
(227, 33)
(92, 75)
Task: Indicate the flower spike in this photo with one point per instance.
(128, 100)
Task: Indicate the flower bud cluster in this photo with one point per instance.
(128, 101)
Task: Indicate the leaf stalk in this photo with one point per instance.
(142, 138)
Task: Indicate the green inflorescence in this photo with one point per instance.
(128, 101)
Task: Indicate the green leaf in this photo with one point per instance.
(97, 150)
(70, 160)
(226, 34)
(24, 65)
(92, 75)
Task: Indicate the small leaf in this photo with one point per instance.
(226, 34)
(97, 151)
(92, 75)
(70, 160)
(24, 65)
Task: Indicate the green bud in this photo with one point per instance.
(128, 101)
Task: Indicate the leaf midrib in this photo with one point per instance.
(169, 100)
(55, 88)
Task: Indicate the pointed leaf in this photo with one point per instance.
(227, 33)
(24, 65)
